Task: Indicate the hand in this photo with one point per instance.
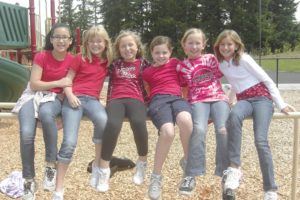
(74, 101)
(288, 109)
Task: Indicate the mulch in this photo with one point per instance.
(121, 185)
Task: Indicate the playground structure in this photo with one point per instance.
(14, 38)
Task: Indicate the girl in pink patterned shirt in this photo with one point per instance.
(200, 72)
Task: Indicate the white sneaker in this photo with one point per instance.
(232, 177)
(103, 179)
(155, 187)
(271, 195)
(29, 190)
(58, 196)
(140, 169)
(94, 176)
(49, 179)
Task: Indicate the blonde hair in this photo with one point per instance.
(97, 31)
(193, 31)
(158, 40)
(136, 38)
(240, 48)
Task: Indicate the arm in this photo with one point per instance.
(73, 100)
(262, 76)
(147, 87)
(37, 84)
(184, 92)
(216, 67)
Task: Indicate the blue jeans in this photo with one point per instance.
(218, 111)
(47, 114)
(261, 110)
(90, 107)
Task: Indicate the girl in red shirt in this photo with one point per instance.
(125, 98)
(43, 101)
(166, 107)
(88, 72)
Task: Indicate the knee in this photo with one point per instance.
(100, 121)
(261, 144)
(111, 125)
(46, 116)
(27, 134)
(167, 134)
(234, 118)
(199, 129)
(222, 131)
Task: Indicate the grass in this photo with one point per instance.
(288, 61)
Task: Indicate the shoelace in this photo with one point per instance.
(155, 184)
(50, 173)
(27, 187)
(231, 175)
(102, 177)
(187, 181)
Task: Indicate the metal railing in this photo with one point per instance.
(295, 116)
(277, 65)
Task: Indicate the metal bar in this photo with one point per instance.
(277, 71)
(277, 115)
(295, 159)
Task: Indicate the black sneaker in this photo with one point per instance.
(29, 190)
(49, 179)
(187, 185)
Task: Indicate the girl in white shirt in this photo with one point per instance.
(255, 92)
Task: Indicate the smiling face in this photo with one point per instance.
(161, 54)
(227, 48)
(96, 45)
(128, 48)
(193, 45)
(61, 40)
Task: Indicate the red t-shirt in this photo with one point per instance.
(53, 69)
(89, 77)
(125, 80)
(163, 79)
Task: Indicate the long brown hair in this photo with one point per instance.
(240, 48)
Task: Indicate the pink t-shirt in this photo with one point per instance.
(52, 69)
(89, 77)
(163, 79)
(125, 80)
(202, 76)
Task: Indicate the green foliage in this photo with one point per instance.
(276, 21)
(286, 65)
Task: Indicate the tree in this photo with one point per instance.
(84, 14)
(67, 13)
(283, 18)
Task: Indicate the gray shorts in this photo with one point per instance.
(164, 108)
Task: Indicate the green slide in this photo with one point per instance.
(13, 80)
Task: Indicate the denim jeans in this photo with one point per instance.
(218, 111)
(91, 108)
(261, 110)
(47, 114)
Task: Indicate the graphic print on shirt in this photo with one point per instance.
(128, 72)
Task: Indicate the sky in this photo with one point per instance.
(25, 3)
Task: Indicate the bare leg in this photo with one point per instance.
(185, 125)
(163, 145)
